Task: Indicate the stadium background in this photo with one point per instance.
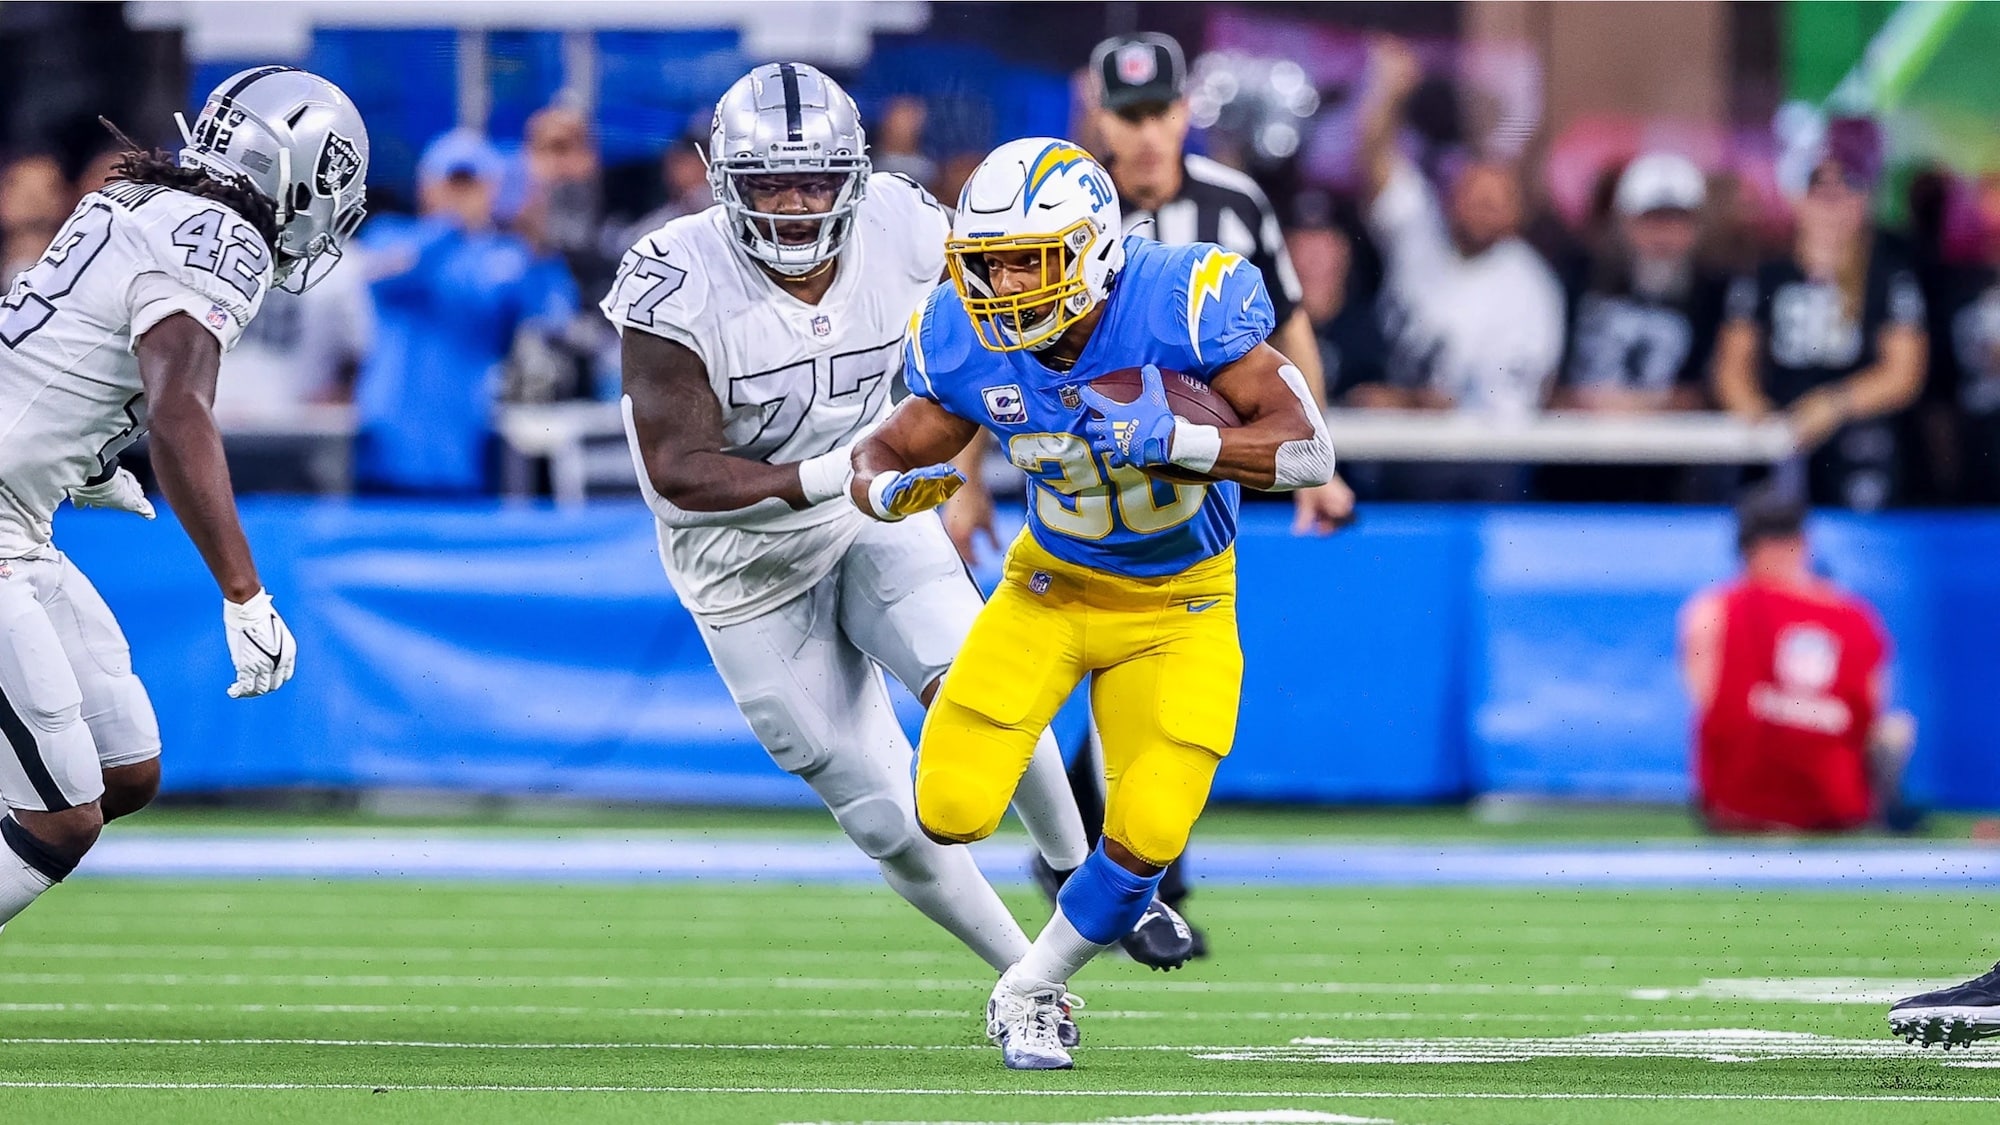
(461, 869)
(1432, 654)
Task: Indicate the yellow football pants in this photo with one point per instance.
(1168, 671)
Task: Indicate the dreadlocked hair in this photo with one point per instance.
(157, 166)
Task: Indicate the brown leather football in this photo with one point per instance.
(1187, 396)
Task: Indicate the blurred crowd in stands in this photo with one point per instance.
(1435, 282)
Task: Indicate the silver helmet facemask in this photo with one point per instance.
(299, 142)
(788, 119)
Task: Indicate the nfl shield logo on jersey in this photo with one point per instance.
(1072, 398)
(822, 326)
(218, 317)
(1039, 582)
(1005, 404)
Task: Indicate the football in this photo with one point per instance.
(1188, 397)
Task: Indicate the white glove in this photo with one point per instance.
(119, 491)
(259, 644)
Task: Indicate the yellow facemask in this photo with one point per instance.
(1001, 323)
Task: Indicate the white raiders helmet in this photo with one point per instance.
(788, 119)
(300, 143)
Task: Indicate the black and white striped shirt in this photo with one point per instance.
(1221, 205)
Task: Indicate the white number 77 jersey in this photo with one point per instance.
(794, 380)
(130, 256)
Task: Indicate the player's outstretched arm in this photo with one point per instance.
(903, 467)
(676, 426)
(178, 362)
(1282, 444)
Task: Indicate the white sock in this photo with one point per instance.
(1048, 809)
(20, 884)
(946, 885)
(1054, 958)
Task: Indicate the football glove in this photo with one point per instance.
(120, 492)
(260, 645)
(1139, 433)
(893, 496)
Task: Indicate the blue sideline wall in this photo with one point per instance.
(1430, 653)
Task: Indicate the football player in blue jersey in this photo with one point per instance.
(1126, 571)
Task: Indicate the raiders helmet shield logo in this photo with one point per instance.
(339, 163)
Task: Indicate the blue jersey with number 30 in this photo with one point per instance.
(1195, 309)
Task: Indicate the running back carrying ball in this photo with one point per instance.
(1188, 396)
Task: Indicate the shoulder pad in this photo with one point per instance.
(938, 344)
(917, 223)
(662, 285)
(206, 247)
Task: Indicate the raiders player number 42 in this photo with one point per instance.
(761, 337)
(119, 329)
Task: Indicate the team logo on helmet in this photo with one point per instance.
(1138, 64)
(339, 164)
(1051, 160)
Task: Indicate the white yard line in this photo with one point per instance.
(1098, 1013)
(808, 984)
(1348, 1095)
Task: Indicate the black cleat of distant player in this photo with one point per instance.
(1162, 940)
(1954, 1016)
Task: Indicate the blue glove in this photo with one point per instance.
(1139, 433)
(895, 496)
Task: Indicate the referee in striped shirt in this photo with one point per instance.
(1169, 194)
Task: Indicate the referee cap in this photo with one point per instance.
(1138, 69)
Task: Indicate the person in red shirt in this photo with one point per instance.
(1788, 675)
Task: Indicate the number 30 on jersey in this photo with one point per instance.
(1077, 496)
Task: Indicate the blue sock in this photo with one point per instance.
(1103, 900)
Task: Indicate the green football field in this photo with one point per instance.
(219, 1000)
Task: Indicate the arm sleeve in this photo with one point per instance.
(916, 362)
(1226, 320)
(156, 296)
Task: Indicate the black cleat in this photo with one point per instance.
(1048, 878)
(1162, 939)
(1954, 1016)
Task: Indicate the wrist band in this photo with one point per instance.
(1195, 446)
(824, 477)
(876, 489)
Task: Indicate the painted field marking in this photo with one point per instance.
(1215, 1117)
(1797, 990)
(1218, 1117)
(1098, 1013)
(1718, 1045)
(835, 1091)
(828, 984)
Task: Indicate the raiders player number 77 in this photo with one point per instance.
(760, 339)
(120, 328)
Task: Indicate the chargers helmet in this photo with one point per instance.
(300, 143)
(1044, 195)
(788, 119)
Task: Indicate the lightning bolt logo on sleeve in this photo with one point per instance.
(1205, 285)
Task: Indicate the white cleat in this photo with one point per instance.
(1028, 1027)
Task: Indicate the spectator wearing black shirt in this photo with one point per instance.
(1643, 332)
(1831, 334)
(1968, 354)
